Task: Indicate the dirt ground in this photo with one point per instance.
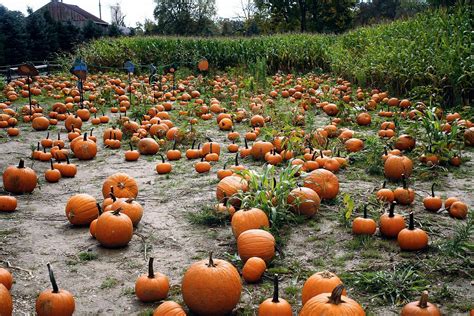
(102, 280)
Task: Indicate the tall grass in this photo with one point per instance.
(431, 50)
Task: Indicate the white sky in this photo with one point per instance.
(134, 10)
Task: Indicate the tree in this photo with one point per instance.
(13, 46)
(91, 31)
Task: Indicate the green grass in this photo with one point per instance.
(109, 283)
(402, 56)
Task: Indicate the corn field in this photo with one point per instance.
(430, 52)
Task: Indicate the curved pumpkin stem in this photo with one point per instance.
(99, 208)
(432, 190)
(52, 279)
(211, 262)
(21, 164)
(85, 137)
(192, 146)
(423, 303)
(162, 158)
(275, 289)
(131, 146)
(117, 211)
(246, 144)
(336, 294)
(151, 274)
(411, 225)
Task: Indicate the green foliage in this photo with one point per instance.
(370, 158)
(347, 210)
(397, 286)
(461, 244)
(431, 49)
(207, 216)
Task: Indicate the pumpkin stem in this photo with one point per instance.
(174, 144)
(199, 146)
(99, 208)
(423, 303)
(314, 155)
(384, 184)
(385, 151)
(85, 136)
(192, 146)
(47, 135)
(209, 139)
(90, 133)
(432, 190)
(211, 262)
(411, 225)
(21, 165)
(246, 145)
(392, 209)
(59, 136)
(404, 181)
(67, 160)
(38, 146)
(237, 159)
(51, 162)
(335, 297)
(275, 289)
(151, 274)
(225, 165)
(117, 211)
(365, 211)
(162, 158)
(131, 147)
(52, 279)
(321, 152)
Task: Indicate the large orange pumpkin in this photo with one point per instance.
(123, 186)
(304, 201)
(323, 182)
(82, 209)
(6, 303)
(253, 218)
(55, 302)
(320, 282)
(19, 179)
(229, 186)
(397, 166)
(256, 243)
(332, 304)
(260, 149)
(113, 229)
(211, 287)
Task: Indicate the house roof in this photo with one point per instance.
(58, 6)
(84, 13)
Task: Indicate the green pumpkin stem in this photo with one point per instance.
(38, 146)
(411, 225)
(21, 165)
(246, 145)
(275, 289)
(174, 144)
(67, 160)
(211, 262)
(52, 279)
(432, 190)
(47, 135)
(423, 303)
(151, 274)
(336, 294)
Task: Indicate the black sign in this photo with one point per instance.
(27, 70)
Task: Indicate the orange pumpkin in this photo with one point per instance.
(421, 307)
(320, 282)
(253, 269)
(169, 308)
(256, 243)
(304, 201)
(82, 209)
(7, 203)
(211, 287)
(253, 218)
(6, 303)
(276, 305)
(19, 179)
(113, 229)
(323, 182)
(55, 302)
(123, 186)
(152, 287)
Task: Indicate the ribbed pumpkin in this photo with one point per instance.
(19, 179)
(211, 287)
(395, 166)
(411, 238)
(123, 185)
(169, 308)
(323, 182)
(153, 286)
(253, 269)
(421, 307)
(253, 218)
(333, 303)
(256, 243)
(229, 186)
(304, 201)
(320, 282)
(259, 149)
(129, 207)
(275, 306)
(390, 223)
(113, 229)
(85, 149)
(82, 209)
(56, 302)
(148, 146)
(6, 303)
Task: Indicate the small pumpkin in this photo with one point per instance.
(202, 166)
(385, 194)
(458, 210)
(52, 175)
(148, 146)
(412, 238)
(55, 302)
(129, 207)
(6, 302)
(6, 278)
(364, 225)
(320, 282)
(333, 304)
(391, 224)
(114, 229)
(169, 308)
(404, 195)
(8, 203)
(82, 209)
(275, 305)
(211, 287)
(152, 287)
(19, 179)
(123, 185)
(132, 155)
(163, 167)
(256, 243)
(421, 307)
(253, 269)
(433, 203)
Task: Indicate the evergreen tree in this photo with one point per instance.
(13, 46)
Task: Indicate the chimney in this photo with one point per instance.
(100, 10)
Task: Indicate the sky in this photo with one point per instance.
(134, 10)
